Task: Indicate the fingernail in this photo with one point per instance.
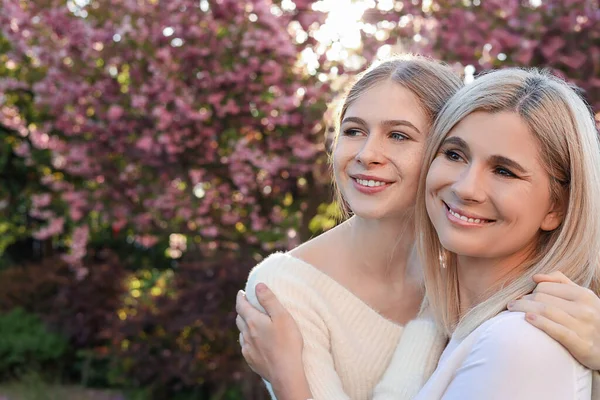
(511, 304)
(261, 287)
(530, 317)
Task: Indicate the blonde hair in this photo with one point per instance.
(569, 150)
(431, 81)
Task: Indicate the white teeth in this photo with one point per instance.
(369, 183)
(463, 218)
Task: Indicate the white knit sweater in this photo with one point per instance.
(348, 345)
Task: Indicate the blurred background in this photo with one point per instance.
(153, 151)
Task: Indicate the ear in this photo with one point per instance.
(551, 221)
(554, 217)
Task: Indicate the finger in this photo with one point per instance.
(556, 331)
(238, 303)
(556, 277)
(269, 301)
(245, 309)
(544, 298)
(561, 290)
(555, 309)
(241, 325)
(247, 354)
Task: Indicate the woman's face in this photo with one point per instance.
(487, 192)
(379, 151)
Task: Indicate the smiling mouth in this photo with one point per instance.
(464, 218)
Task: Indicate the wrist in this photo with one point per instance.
(291, 384)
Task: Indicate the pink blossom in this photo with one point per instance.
(210, 231)
(54, 227)
(146, 240)
(41, 200)
(145, 143)
(115, 113)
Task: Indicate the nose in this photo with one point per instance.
(469, 185)
(372, 152)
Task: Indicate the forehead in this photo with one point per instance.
(388, 101)
(504, 133)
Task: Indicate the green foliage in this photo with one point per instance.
(328, 215)
(26, 343)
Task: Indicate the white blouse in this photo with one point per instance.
(507, 358)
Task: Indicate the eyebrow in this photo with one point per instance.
(458, 142)
(387, 123)
(495, 159)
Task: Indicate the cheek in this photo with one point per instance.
(438, 176)
(337, 160)
(408, 161)
(524, 208)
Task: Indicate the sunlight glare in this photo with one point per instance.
(343, 23)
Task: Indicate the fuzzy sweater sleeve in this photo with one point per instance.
(413, 362)
(325, 384)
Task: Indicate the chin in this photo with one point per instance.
(369, 214)
(465, 247)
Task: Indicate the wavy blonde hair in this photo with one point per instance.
(569, 150)
(431, 81)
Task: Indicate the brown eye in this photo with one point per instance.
(352, 132)
(452, 155)
(504, 172)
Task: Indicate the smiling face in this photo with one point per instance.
(378, 154)
(487, 192)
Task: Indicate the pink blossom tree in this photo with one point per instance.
(159, 117)
(556, 34)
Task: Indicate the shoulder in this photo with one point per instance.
(274, 264)
(326, 252)
(508, 358)
(279, 268)
(509, 340)
(292, 280)
(297, 286)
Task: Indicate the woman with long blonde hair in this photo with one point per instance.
(498, 183)
(353, 289)
(510, 189)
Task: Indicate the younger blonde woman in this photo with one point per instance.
(493, 248)
(353, 289)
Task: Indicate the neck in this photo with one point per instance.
(383, 249)
(479, 278)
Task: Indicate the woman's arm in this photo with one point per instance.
(568, 313)
(283, 369)
(278, 353)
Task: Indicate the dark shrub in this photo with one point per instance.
(26, 344)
